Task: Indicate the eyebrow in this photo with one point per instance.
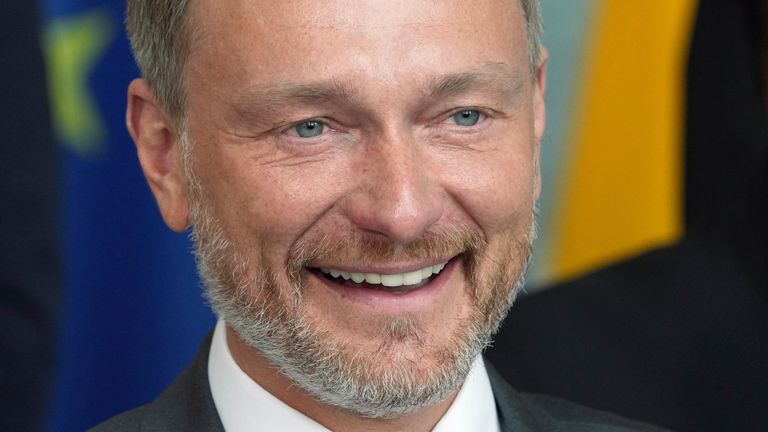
(497, 77)
(255, 104)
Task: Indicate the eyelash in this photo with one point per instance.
(485, 115)
(328, 127)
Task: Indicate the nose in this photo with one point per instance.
(398, 194)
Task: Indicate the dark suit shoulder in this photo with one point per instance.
(125, 422)
(532, 412)
(573, 417)
(185, 406)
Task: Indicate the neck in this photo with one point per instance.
(334, 418)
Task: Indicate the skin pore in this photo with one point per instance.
(362, 136)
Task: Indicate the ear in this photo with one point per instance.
(158, 148)
(539, 113)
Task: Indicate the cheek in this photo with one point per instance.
(268, 206)
(495, 189)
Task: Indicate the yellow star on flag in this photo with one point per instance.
(73, 46)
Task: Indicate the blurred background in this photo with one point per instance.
(647, 295)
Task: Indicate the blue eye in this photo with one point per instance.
(467, 117)
(309, 129)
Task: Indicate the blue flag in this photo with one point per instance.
(132, 313)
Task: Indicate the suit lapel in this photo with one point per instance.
(186, 405)
(515, 414)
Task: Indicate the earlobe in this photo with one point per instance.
(159, 152)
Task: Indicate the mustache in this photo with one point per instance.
(366, 248)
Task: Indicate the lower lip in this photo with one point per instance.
(388, 301)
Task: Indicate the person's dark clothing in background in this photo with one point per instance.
(678, 336)
(28, 246)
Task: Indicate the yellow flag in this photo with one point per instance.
(622, 192)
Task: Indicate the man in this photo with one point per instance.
(360, 179)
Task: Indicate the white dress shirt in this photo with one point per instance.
(244, 406)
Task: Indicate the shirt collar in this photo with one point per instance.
(244, 406)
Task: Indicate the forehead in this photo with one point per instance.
(247, 42)
(352, 11)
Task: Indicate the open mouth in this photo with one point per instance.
(392, 282)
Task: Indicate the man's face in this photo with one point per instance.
(393, 144)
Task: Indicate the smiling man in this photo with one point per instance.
(359, 178)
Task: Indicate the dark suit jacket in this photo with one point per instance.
(187, 405)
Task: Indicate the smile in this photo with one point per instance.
(389, 289)
(393, 280)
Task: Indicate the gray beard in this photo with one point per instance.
(335, 372)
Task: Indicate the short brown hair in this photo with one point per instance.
(159, 38)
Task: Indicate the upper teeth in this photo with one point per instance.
(388, 280)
